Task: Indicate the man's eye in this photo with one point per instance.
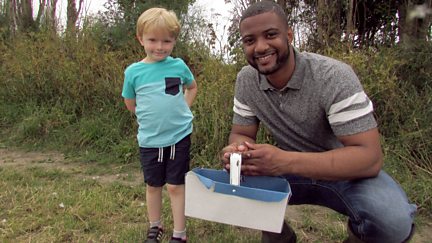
(271, 35)
(248, 41)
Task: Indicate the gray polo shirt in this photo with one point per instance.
(324, 99)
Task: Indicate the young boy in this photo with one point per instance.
(153, 90)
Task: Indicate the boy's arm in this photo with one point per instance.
(130, 104)
(190, 93)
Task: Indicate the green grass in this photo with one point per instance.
(52, 205)
(51, 200)
(47, 199)
(41, 204)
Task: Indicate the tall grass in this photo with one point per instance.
(212, 121)
(398, 80)
(65, 94)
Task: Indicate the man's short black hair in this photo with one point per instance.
(264, 7)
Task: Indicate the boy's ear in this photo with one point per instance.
(139, 39)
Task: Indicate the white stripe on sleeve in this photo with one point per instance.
(357, 98)
(242, 109)
(350, 115)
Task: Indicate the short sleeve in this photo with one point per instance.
(187, 74)
(243, 113)
(349, 110)
(128, 90)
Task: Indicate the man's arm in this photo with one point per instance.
(240, 134)
(360, 157)
(237, 138)
(190, 93)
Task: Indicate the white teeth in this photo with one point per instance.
(264, 58)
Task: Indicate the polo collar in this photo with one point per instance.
(296, 80)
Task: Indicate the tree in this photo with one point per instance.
(415, 18)
(357, 23)
(329, 27)
(72, 16)
(118, 22)
(16, 16)
(20, 15)
(50, 15)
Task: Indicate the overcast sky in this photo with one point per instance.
(211, 7)
(216, 11)
(216, 5)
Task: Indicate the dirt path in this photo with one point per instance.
(20, 159)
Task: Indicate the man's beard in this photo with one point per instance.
(282, 58)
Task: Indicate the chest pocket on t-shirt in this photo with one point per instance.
(172, 86)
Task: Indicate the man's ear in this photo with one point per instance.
(290, 35)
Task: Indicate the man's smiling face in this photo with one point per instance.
(265, 42)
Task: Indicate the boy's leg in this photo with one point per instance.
(177, 167)
(154, 204)
(177, 198)
(377, 207)
(154, 177)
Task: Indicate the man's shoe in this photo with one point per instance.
(287, 235)
(352, 238)
(408, 239)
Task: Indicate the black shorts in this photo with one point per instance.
(166, 165)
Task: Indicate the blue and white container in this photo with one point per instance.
(259, 202)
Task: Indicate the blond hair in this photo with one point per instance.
(158, 19)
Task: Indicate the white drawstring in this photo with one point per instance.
(160, 156)
(161, 153)
(172, 155)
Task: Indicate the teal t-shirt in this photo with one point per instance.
(163, 116)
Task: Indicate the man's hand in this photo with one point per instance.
(228, 150)
(261, 159)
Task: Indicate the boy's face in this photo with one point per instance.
(157, 44)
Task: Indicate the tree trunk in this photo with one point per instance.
(72, 16)
(425, 30)
(13, 22)
(40, 12)
(27, 22)
(414, 21)
(328, 22)
(50, 15)
(350, 29)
